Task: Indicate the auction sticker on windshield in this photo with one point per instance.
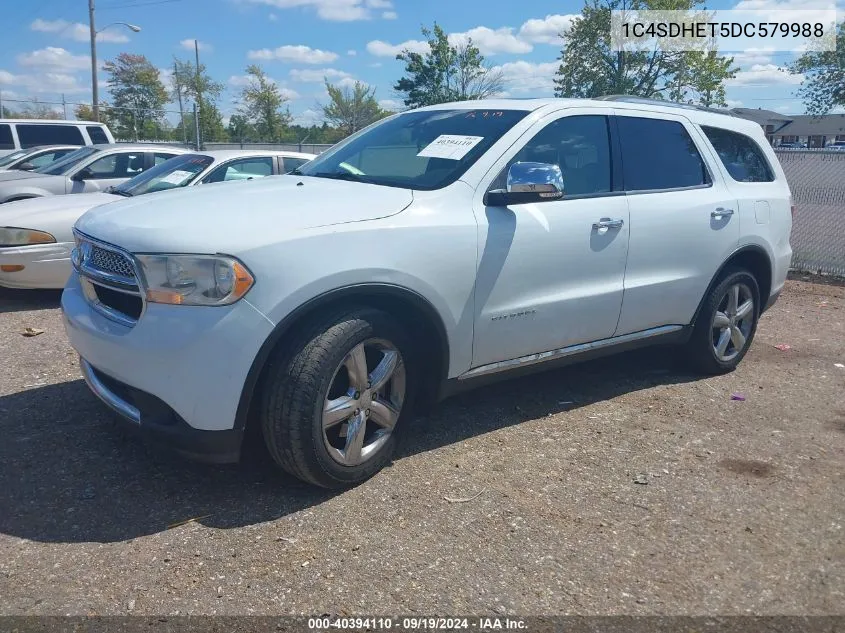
(177, 177)
(451, 146)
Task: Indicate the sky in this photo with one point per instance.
(299, 42)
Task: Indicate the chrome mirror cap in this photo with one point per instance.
(544, 179)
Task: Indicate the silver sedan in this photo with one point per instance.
(36, 235)
(88, 169)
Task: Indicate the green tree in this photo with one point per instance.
(189, 85)
(446, 72)
(84, 112)
(824, 76)
(352, 110)
(591, 68)
(138, 96)
(261, 106)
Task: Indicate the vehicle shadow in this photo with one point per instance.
(69, 475)
(12, 300)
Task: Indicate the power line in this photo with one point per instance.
(133, 5)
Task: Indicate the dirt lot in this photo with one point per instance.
(740, 509)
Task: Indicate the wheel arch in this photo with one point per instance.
(753, 258)
(407, 306)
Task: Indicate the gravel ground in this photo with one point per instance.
(616, 487)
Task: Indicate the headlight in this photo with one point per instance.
(10, 236)
(196, 280)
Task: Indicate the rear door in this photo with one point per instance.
(683, 219)
(109, 171)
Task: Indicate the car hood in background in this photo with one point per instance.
(235, 217)
(54, 214)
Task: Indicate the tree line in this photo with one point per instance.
(447, 71)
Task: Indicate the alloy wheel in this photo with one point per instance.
(732, 322)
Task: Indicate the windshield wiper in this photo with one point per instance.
(119, 192)
(341, 175)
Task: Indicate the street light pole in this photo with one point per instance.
(94, 87)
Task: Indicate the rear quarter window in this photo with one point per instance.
(6, 140)
(34, 134)
(740, 155)
(97, 134)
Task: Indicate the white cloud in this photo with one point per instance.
(753, 56)
(77, 31)
(375, 65)
(308, 117)
(760, 75)
(318, 75)
(349, 82)
(490, 41)
(333, 10)
(241, 81)
(44, 83)
(526, 77)
(352, 52)
(393, 105)
(547, 30)
(53, 58)
(272, 17)
(385, 49)
(298, 54)
(188, 45)
(390, 15)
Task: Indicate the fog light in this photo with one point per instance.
(11, 268)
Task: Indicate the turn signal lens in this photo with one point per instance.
(197, 280)
(11, 236)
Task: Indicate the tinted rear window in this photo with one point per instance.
(740, 155)
(97, 134)
(6, 141)
(659, 154)
(31, 135)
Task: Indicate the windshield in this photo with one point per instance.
(68, 162)
(8, 159)
(175, 172)
(415, 150)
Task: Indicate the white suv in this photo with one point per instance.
(429, 252)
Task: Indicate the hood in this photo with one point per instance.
(54, 214)
(16, 174)
(237, 216)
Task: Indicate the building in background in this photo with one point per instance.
(797, 130)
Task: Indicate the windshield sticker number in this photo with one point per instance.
(177, 177)
(450, 146)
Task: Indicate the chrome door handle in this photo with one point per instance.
(721, 213)
(607, 223)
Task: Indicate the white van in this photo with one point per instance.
(18, 134)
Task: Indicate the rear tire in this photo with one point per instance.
(336, 397)
(726, 324)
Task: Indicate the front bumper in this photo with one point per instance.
(178, 373)
(45, 266)
(153, 420)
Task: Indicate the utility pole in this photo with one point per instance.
(94, 86)
(178, 82)
(64, 105)
(197, 126)
(199, 92)
(1, 104)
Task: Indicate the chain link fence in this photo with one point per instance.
(817, 181)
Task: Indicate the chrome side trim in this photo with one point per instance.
(106, 395)
(542, 357)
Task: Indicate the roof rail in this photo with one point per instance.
(665, 104)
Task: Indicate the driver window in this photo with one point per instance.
(245, 169)
(579, 145)
(117, 166)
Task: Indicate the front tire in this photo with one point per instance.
(726, 324)
(335, 399)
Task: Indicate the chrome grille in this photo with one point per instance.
(111, 262)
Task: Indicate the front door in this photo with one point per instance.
(550, 274)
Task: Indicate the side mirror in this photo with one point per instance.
(528, 182)
(81, 175)
(25, 167)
